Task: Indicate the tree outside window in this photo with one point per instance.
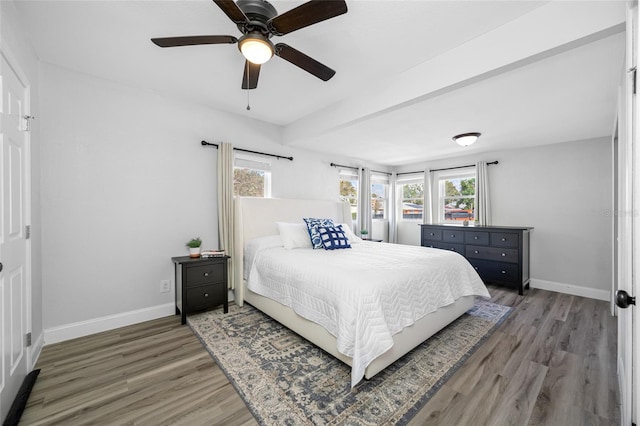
(349, 192)
(412, 200)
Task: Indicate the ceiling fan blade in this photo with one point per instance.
(303, 61)
(231, 9)
(306, 14)
(251, 74)
(194, 40)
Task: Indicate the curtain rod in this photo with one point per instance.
(205, 143)
(358, 168)
(446, 168)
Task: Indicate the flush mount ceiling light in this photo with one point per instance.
(466, 139)
(256, 48)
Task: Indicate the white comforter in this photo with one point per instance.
(363, 295)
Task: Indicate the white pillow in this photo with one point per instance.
(353, 238)
(294, 235)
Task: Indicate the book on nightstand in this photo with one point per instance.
(212, 253)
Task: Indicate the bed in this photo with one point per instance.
(375, 345)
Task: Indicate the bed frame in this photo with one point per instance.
(257, 217)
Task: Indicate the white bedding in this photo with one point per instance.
(363, 295)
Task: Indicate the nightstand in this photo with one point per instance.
(200, 284)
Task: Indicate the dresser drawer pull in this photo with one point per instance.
(476, 251)
(503, 272)
(452, 249)
(475, 267)
(475, 238)
(206, 274)
(453, 235)
(503, 255)
(503, 239)
(207, 294)
(432, 234)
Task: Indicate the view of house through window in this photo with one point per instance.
(412, 198)
(349, 190)
(251, 177)
(456, 195)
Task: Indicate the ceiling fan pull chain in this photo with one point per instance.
(248, 79)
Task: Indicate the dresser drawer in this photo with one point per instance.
(458, 248)
(504, 239)
(432, 234)
(211, 273)
(205, 296)
(453, 236)
(476, 237)
(496, 271)
(492, 253)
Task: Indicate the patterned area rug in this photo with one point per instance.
(284, 379)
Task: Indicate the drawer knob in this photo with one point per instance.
(476, 251)
(206, 295)
(452, 249)
(504, 272)
(453, 235)
(431, 233)
(503, 255)
(206, 274)
(475, 267)
(503, 239)
(475, 238)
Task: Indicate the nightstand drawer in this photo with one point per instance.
(206, 296)
(492, 253)
(504, 239)
(212, 273)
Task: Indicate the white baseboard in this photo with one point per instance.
(97, 325)
(591, 293)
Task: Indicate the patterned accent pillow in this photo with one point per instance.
(333, 238)
(312, 226)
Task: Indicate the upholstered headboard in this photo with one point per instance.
(258, 217)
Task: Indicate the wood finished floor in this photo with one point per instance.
(552, 362)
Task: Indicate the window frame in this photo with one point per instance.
(351, 176)
(380, 179)
(439, 179)
(256, 163)
(408, 179)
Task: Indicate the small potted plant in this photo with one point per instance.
(194, 247)
(364, 234)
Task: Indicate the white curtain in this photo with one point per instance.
(364, 206)
(392, 213)
(483, 204)
(225, 205)
(427, 212)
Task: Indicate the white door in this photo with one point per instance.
(628, 234)
(14, 278)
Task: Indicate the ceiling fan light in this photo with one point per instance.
(466, 139)
(256, 48)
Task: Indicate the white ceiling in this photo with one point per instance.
(410, 74)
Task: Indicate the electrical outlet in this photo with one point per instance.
(165, 286)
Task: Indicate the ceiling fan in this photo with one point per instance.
(258, 21)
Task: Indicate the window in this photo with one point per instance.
(456, 195)
(251, 176)
(411, 195)
(349, 190)
(379, 195)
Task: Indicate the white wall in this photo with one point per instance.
(564, 192)
(14, 45)
(125, 183)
